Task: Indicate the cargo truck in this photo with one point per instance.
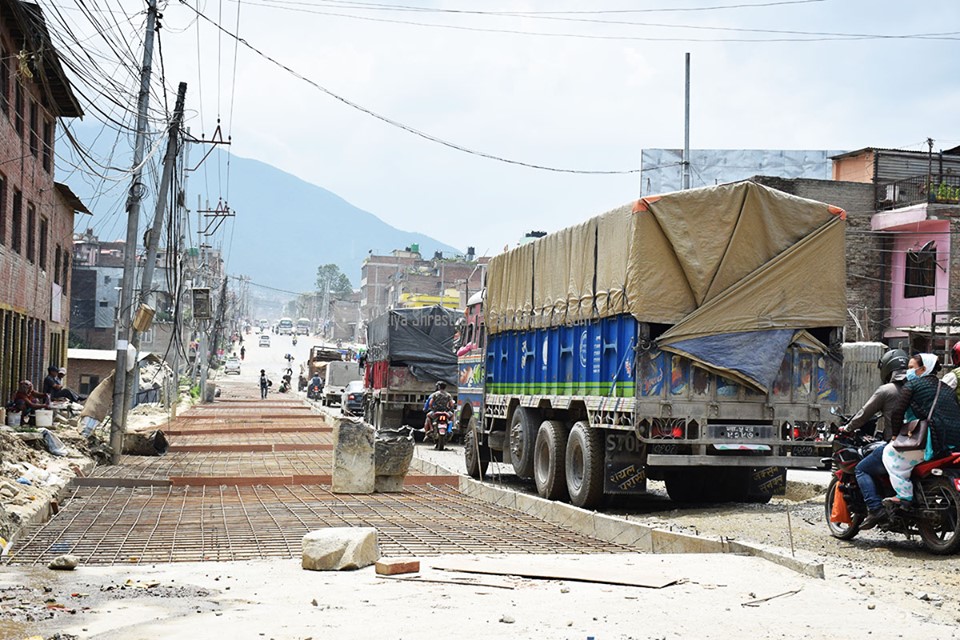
(692, 338)
(408, 352)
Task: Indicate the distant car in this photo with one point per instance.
(265, 340)
(232, 365)
(351, 402)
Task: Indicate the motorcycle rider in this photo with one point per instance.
(893, 373)
(316, 382)
(438, 402)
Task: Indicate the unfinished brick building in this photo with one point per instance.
(36, 213)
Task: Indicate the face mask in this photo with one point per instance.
(911, 374)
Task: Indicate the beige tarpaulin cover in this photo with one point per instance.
(732, 258)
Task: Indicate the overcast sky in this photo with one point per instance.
(583, 103)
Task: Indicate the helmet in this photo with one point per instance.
(955, 354)
(892, 361)
(441, 385)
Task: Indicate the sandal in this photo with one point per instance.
(895, 501)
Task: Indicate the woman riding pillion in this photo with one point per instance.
(924, 395)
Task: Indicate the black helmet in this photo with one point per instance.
(892, 361)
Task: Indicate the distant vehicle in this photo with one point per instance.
(265, 340)
(303, 326)
(336, 375)
(351, 401)
(232, 365)
(263, 324)
(285, 327)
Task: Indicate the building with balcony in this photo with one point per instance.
(914, 225)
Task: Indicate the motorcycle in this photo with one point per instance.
(314, 392)
(440, 432)
(934, 515)
(294, 340)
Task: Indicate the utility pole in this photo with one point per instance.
(118, 414)
(686, 126)
(156, 230)
(929, 169)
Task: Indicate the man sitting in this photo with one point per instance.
(27, 400)
(53, 385)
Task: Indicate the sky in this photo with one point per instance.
(589, 99)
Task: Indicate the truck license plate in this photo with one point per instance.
(739, 431)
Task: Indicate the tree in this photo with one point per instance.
(330, 276)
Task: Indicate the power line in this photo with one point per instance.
(400, 125)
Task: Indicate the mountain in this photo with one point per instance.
(284, 227)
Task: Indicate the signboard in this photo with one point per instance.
(201, 304)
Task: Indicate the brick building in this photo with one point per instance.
(386, 281)
(36, 213)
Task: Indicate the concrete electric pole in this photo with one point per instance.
(118, 415)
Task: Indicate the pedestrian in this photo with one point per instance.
(243, 352)
(264, 384)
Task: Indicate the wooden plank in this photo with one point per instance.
(579, 570)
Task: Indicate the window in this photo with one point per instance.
(18, 105)
(44, 231)
(57, 258)
(47, 146)
(16, 220)
(34, 129)
(31, 232)
(87, 384)
(65, 278)
(3, 209)
(106, 279)
(921, 271)
(103, 304)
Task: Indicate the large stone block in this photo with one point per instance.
(394, 451)
(338, 548)
(353, 457)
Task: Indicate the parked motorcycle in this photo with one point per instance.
(934, 515)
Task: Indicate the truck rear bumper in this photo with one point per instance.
(660, 460)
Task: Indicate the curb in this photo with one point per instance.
(644, 538)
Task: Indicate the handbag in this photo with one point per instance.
(913, 435)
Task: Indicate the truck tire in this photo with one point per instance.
(549, 460)
(475, 455)
(523, 435)
(583, 465)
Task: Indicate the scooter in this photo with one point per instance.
(934, 515)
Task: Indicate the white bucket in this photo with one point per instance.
(43, 417)
(13, 419)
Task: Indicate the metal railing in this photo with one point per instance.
(937, 189)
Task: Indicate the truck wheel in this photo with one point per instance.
(584, 465)
(523, 434)
(475, 455)
(549, 460)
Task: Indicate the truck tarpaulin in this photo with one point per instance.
(738, 271)
(420, 338)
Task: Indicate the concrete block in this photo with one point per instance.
(395, 566)
(388, 484)
(353, 457)
(338, 548)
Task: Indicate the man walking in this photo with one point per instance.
(264, 384)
